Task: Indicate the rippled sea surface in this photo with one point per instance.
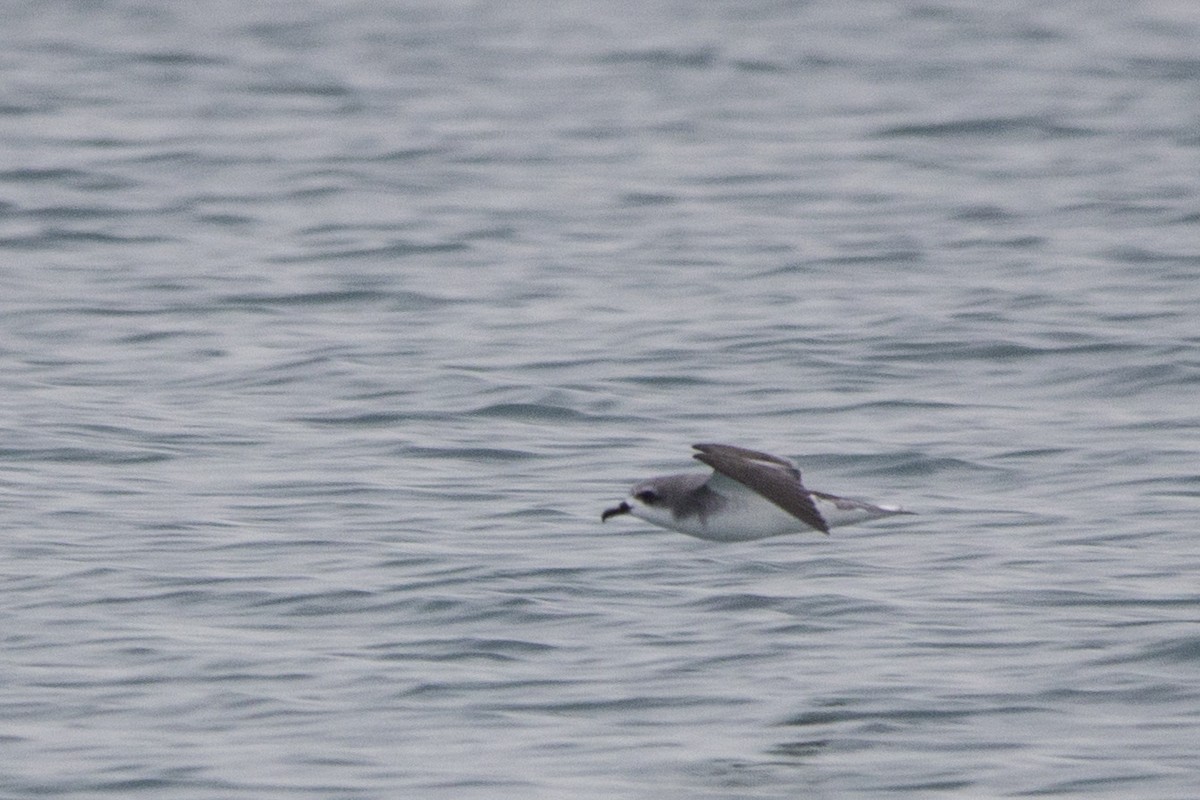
(328, 329)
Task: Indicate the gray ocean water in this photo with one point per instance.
(328, 329)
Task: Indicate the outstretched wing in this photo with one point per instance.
(774, 478)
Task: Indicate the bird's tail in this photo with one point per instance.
(848, 511)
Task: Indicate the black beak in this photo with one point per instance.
(617, 511)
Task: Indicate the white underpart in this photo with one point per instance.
(747, 516)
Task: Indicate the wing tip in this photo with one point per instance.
(705, 450)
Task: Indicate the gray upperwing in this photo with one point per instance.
(781, 486)
(749, 455)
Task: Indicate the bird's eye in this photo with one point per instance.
(646, 496)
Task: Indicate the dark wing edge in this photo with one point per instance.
(742, 452)
(782, 489)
